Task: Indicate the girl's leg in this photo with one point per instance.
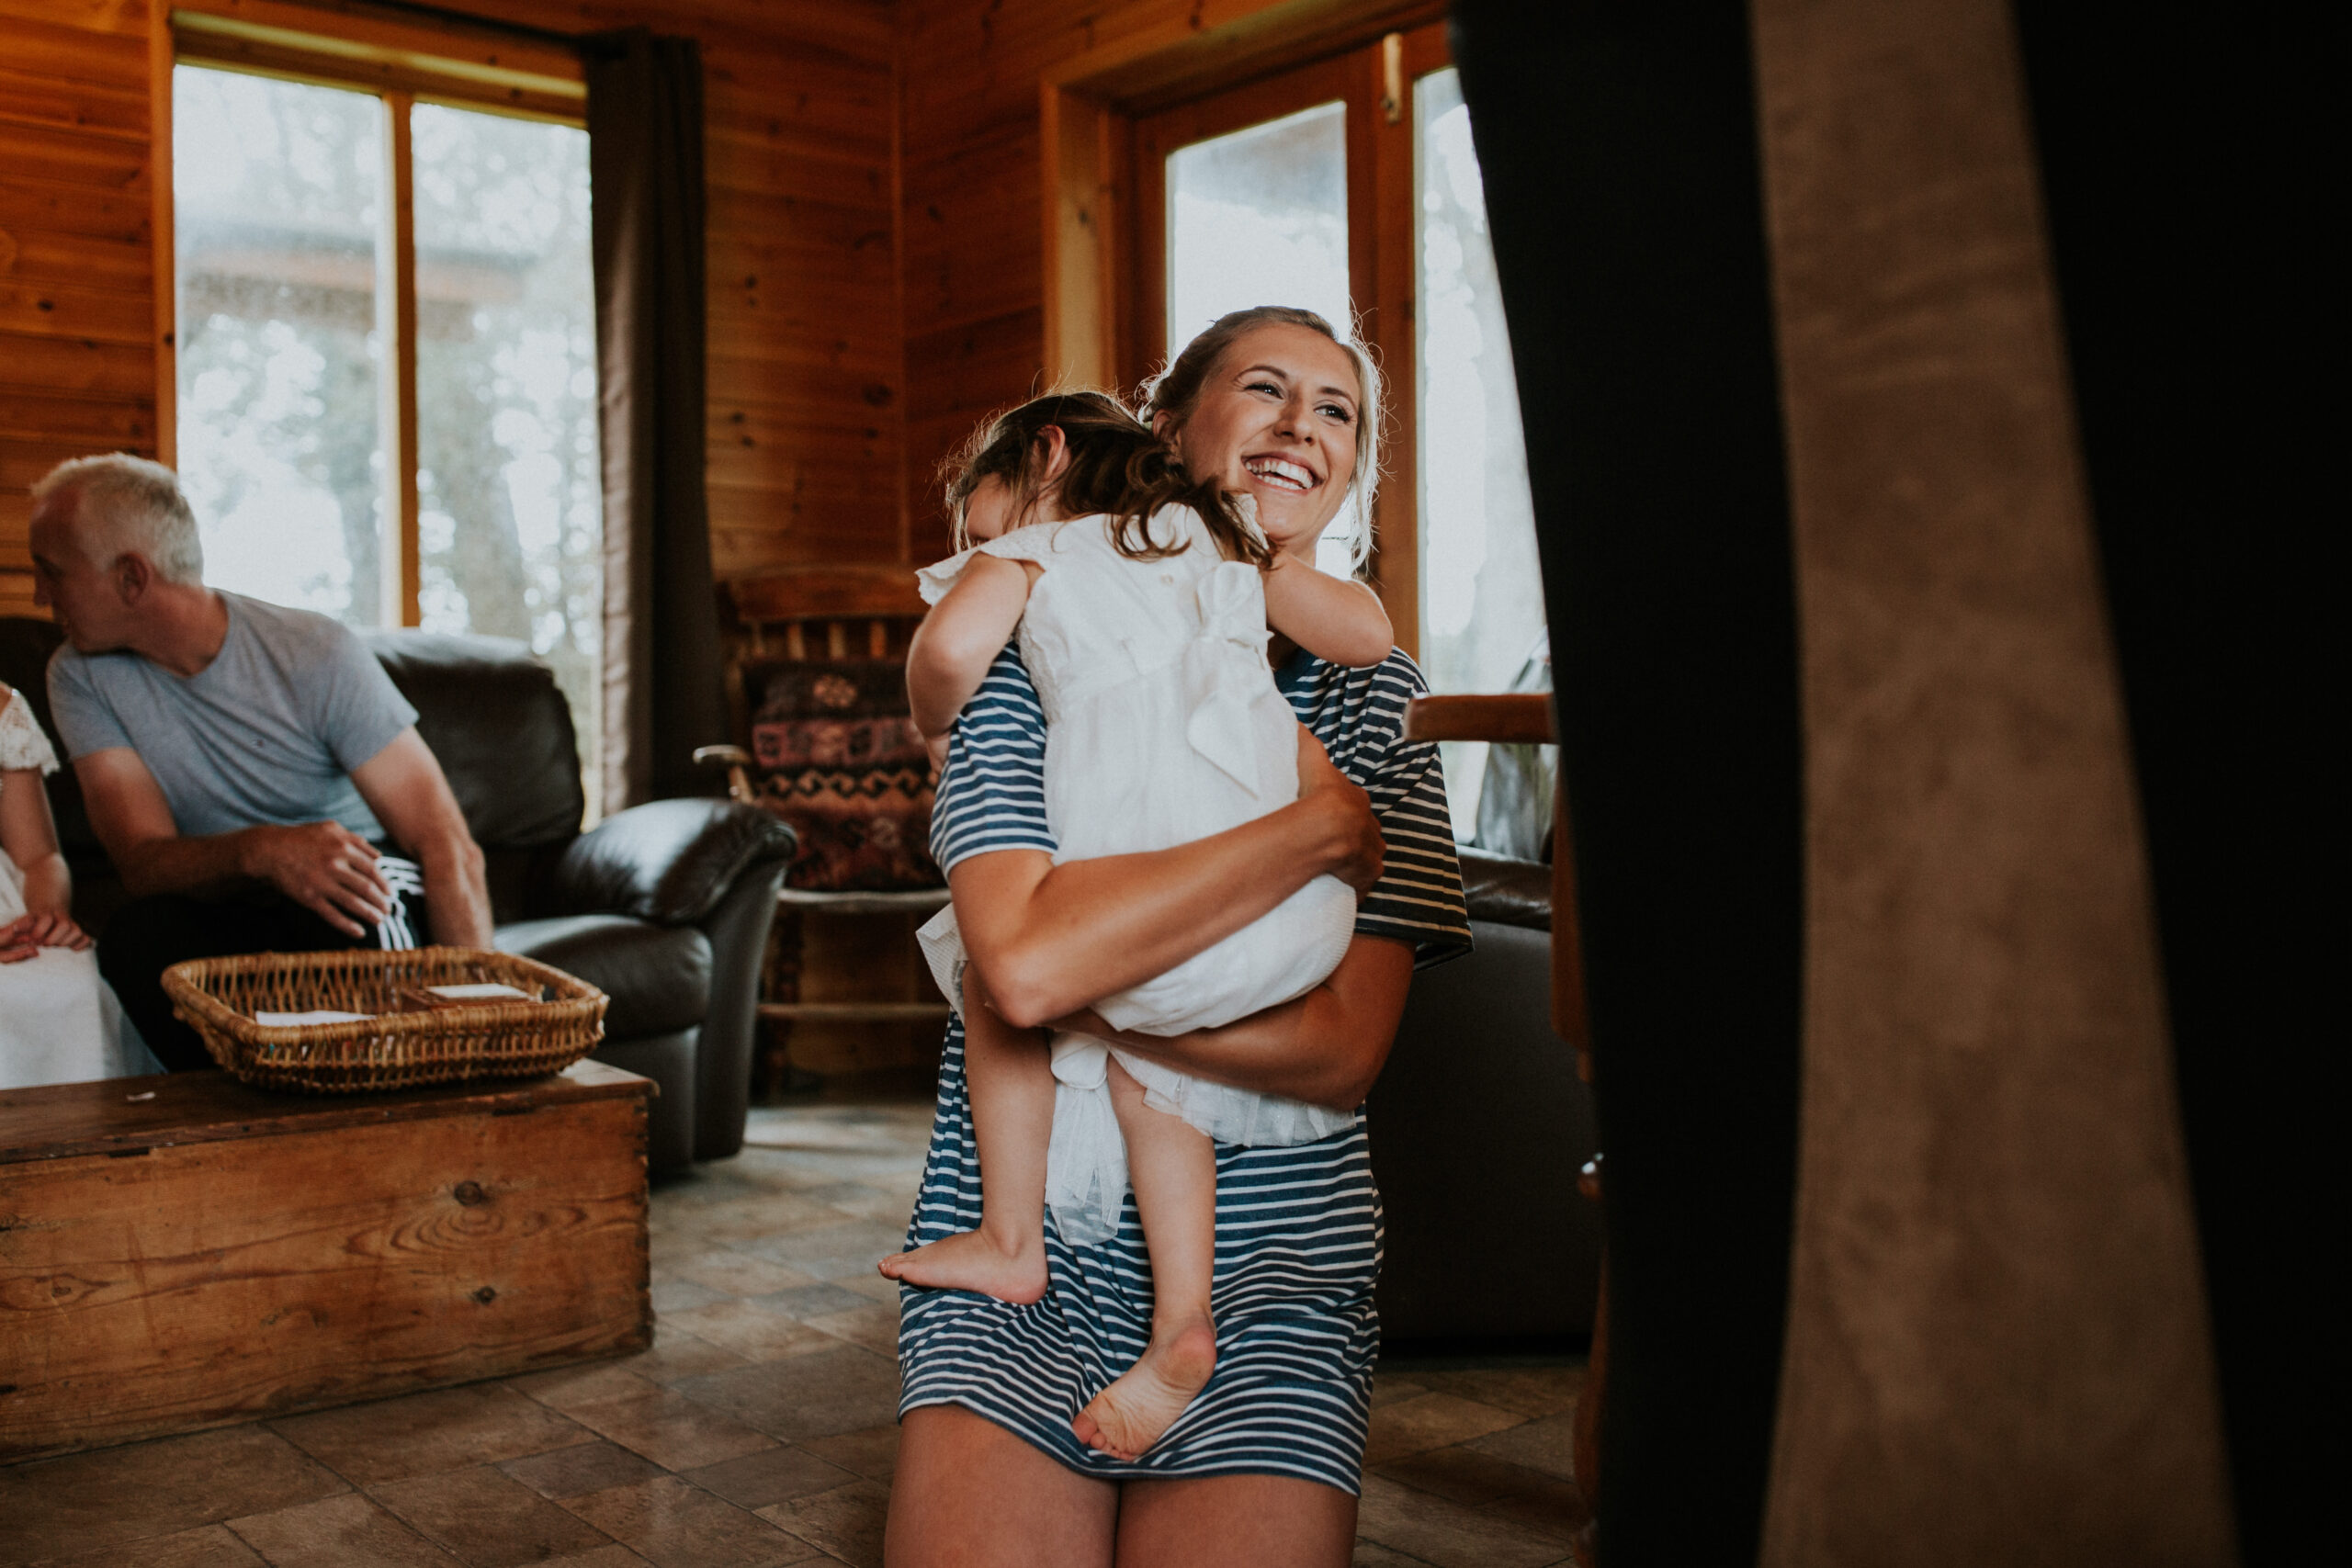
(1010, 1077)
(1173, 1168)
(1237, 1521)
(968, 1492)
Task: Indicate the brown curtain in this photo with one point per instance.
(663, 695)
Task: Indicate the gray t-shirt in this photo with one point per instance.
(268, 733)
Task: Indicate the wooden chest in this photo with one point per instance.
(183, 1252)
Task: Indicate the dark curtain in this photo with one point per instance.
(2190, 175)
(1619, 147)
(662, 692)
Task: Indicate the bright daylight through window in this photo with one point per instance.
(1482, 589)
(283, 239)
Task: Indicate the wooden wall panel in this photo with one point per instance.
(77, 360)
(805, 384)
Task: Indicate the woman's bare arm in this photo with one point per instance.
(962, 635)
(1326, 1047)
(1051, 939)
(1333, 618)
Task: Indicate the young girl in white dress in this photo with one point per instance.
(1142, 600)
(59, 1022)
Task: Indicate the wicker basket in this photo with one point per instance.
(217, 996)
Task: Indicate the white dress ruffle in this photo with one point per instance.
(1164, 726)
(59, 1022)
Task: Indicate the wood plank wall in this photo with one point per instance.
(78, 363)
(806, 386)
(973, 227)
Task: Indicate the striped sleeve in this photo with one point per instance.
(991, 794)
(1359, 715)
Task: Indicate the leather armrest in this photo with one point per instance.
(668, 861)
(1507, 892)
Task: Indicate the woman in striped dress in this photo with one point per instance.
(1264, 1466)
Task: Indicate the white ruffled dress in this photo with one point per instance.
(1164, 726)
(59, 1022)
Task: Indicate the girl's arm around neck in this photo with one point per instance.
(1333, 618)
(965, 631)
(1325, 1047)
(1048, 939)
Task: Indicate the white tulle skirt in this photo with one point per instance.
(59, 1020)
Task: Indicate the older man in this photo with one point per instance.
(248, 767)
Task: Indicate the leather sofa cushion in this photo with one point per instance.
(1505, 891)
(658, 976)
(670, 861)
(493, 715)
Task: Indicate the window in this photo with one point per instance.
(1350, 186)
(386, 358)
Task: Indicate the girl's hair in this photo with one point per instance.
(1117, 467)
(1175, 391)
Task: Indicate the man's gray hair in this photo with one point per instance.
(124, 503)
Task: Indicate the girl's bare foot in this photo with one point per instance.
(1130, 1415)
(974, 1260)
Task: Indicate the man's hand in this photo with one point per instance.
(1356, 849)
(326, 868)
(28, 934)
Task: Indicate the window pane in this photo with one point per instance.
(1482, 592)
(1260, 217)
(511, 502)
(277, 188)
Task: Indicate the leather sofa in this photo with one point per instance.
(664, 906)
(1480, 1127)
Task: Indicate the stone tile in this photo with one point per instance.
(1528, 1391)
(851, 1247)
(1447, 1534)
(671, 1430)
(567, 1388)
(869, 1324)
(773, 1475)
(765, 1216)
(754, 1333)
(207, 1545)
(668, 1246)
(677, 1295)
(673, 1524)
(847, 1521)
(1429, 1421)
(91, 1502)
(588, 1467)
(342, 1532)
(678, 1354)
(816, 1395)
(613, 1555)
(872, 1287)
(871, 1452)
(1388, 1388)
(421, 1433)
(739, 1273)
(1548, 1445)
(1548, 1504)
(813, 1300)
(864, 1200)
(487, 1519)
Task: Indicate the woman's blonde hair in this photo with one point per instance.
(1175, 391)
(1117, 467)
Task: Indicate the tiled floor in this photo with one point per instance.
(759, 1429)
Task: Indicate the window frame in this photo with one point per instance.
(401, 65)
(1107, 127)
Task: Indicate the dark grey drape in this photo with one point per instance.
(663, 695)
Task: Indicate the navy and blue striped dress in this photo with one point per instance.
(1298, 1230)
